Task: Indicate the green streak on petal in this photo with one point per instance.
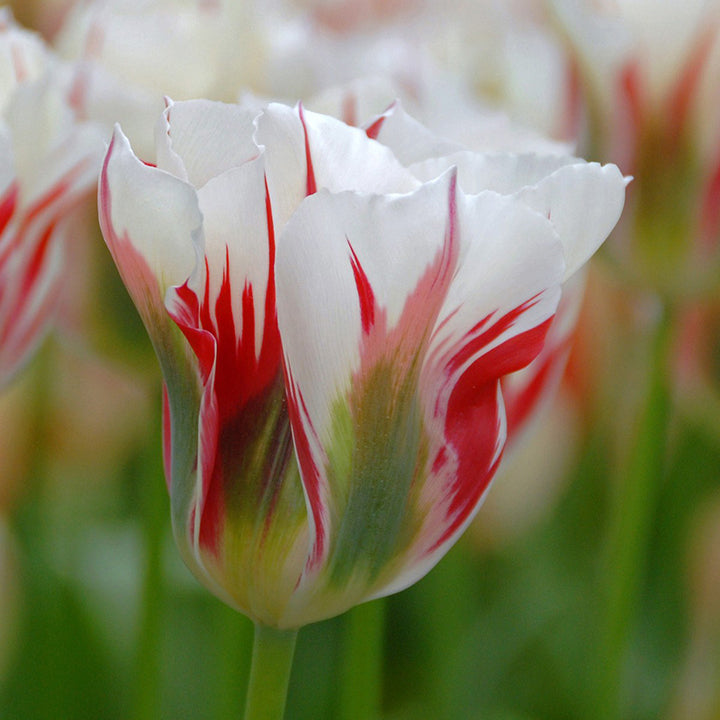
(256, 454)
(183, 390)
(378, 444)
(264, 542)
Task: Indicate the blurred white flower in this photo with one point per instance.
(135, 52)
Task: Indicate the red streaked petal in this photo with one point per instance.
(227, 313)
(32, 248)
(361, 280)
(494, 321)
(474, 425)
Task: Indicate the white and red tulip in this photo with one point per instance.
(650, 76)
(48, 162)
(333, 329)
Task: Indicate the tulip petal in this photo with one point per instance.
(410, 140)
(582, 200)
(148, 219)
(392, 381)
(246, 510)
(504, 173)
(349, 267)
(199, 139)
(227, 312)
(473, 129)
(494, 321)
(584, 203)
(305, 151)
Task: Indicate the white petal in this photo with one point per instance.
(582, 200)
(584, 203)
(199, 139)
(410, 141)
(342, 158)
(154, 212)
(504, 173)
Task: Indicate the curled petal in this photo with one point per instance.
(582, 200)
(148, 219)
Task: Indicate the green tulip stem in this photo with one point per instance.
(360, 691)
(235, 633)
(270, 668)
(638, 485)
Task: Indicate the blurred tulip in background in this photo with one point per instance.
(49, 163)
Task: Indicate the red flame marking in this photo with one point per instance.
(364, 291)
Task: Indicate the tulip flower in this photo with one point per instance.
(332, 332)
(48, 162)
(649, 76)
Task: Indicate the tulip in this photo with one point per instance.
(649, 75)
(332, 331)
(48, 163)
